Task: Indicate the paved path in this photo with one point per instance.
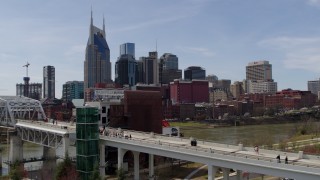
(194, 172)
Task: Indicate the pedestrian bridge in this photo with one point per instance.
(19, 107)
(214, 155)
(240, 158)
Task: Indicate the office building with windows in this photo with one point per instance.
(168, 68)
(31, 90)
(314, 86)
(49, 82)
(150, 69)
(194, 72)
(125, 70)
(127, 48)
(259, 78)
(97, 65)
(72, 90)
(259, 70)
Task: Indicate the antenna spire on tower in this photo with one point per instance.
(104, 27)
(91, 16)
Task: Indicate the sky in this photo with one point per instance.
(222, 36)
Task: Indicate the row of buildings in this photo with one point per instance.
(163, 75)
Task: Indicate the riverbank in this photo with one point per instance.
(243, 121)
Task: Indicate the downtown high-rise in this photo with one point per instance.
(127, 48)
(168, 68)
(259, 78)
(72, 90)
(97, 65)
(194, 72)
(49, 82)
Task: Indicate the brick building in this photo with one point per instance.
(194, 91)
(144, 111)
(291, 99)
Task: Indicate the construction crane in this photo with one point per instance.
(27, 65)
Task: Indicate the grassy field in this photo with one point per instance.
(189, 124)
(172, 172)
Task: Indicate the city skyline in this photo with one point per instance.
(220, 36)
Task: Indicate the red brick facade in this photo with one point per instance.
(195, 91)
(143, 110)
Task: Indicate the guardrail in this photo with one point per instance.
(154, 139)
(62, 125)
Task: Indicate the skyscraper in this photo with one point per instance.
(49, 82)
(150, 69)
(127, 48)
(259, 78)
(72, 90)
(194, 72)
(97, 65)
(314, 86)
(259, 70)
(125, 70)
(168, 68)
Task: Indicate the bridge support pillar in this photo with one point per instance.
(102, 160)
(151, 166)
(212, 170)
(136, 165)
(16, 149)
(239, 177)
(49, 162)
(300, 155)
(226, 172)
(240, 147)
(66, 143)
(120, 157)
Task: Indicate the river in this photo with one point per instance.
(248, 135)
(30, 150)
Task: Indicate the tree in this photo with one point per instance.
(96, 173)
(17, 171)
(121, 174)
(66, 170)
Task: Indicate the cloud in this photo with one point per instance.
(150, 23)
(164, 15)
(314, 2)
(75, 50)
(299, 52)
(198, 50)
(289, 42)
(6, 57)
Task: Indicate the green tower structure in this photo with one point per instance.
(87, 141)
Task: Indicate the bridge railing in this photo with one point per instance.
(61, 125)
(166, 137)
(206, 151)
(263, 149)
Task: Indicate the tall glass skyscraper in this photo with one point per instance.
(126, 70)
(49, 82)
(97, 65)
(194, 72)
(168, 68)
(127, 48)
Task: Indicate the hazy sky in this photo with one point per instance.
(222, 36)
